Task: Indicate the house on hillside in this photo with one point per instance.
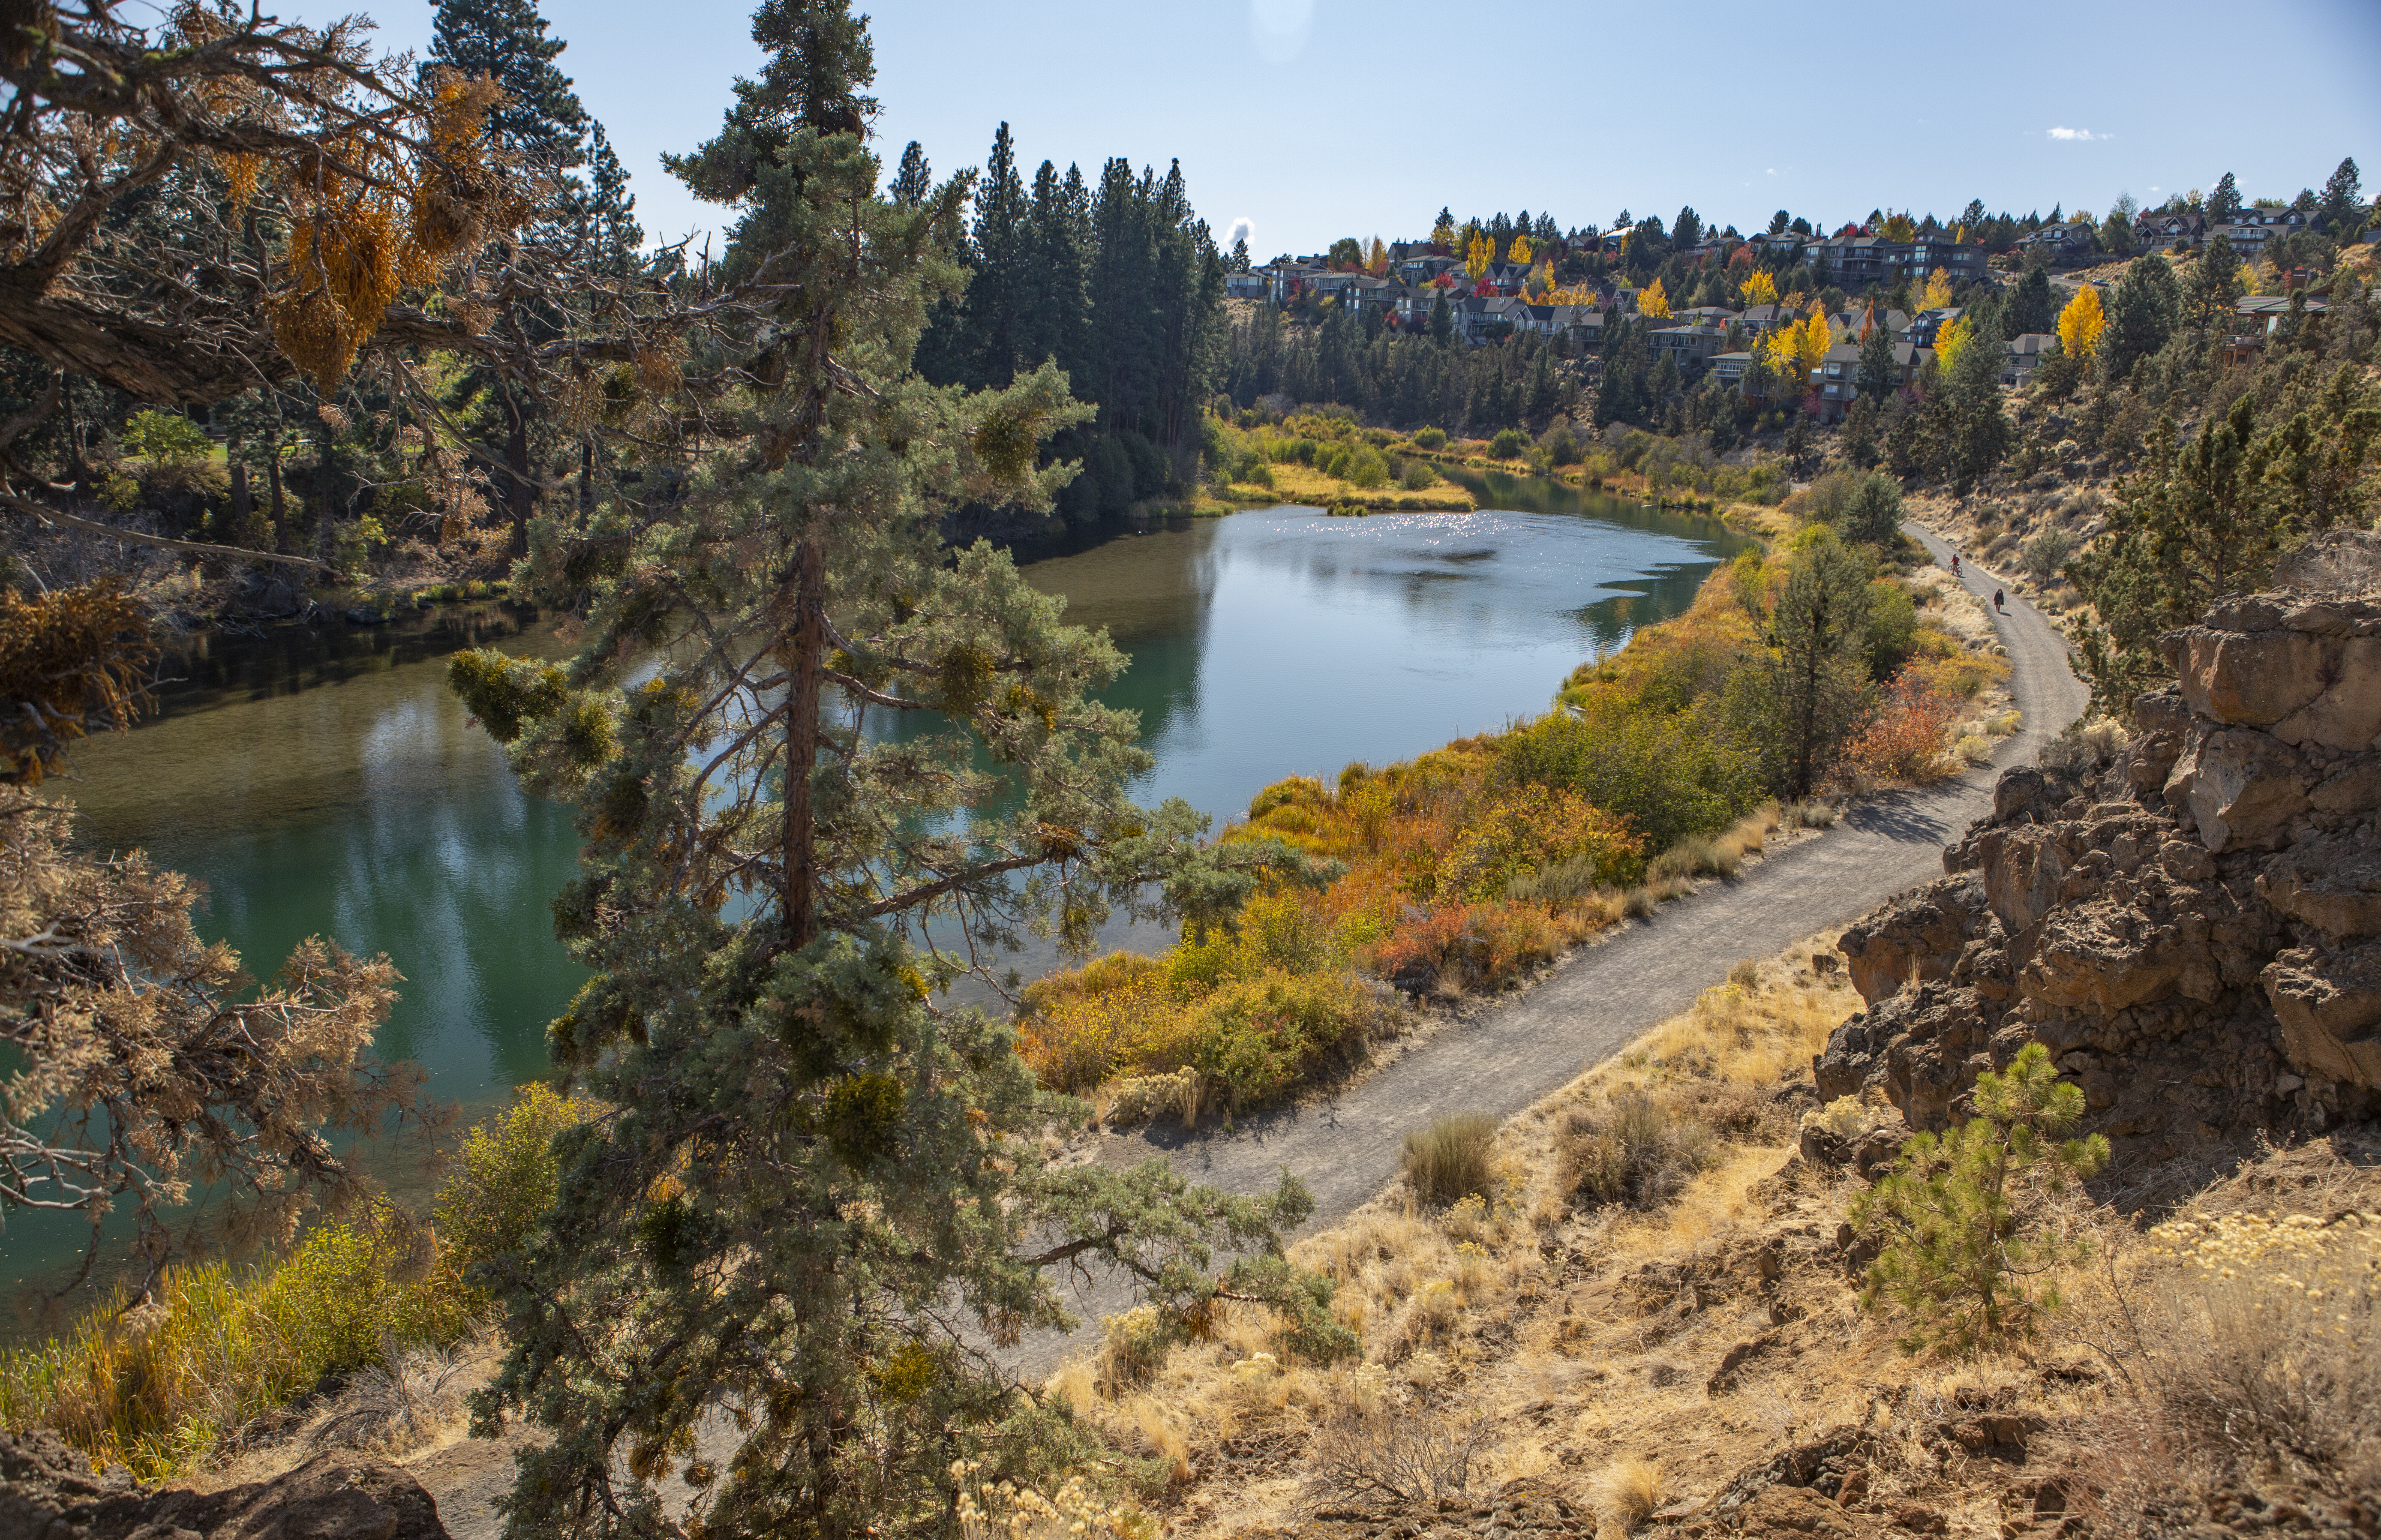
(1577, 325)
(1758, 319)
(1922, 326)
(1245, 285)
(1929, 255)
(1838, 375)
(2025, 355)
(2263, 314)
(2252, 228)
(1485, 317)
(1728, 368)
(1704, 315)
(2070, 241)
(2163, 230)
(1692, 346)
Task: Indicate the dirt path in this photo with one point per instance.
(1595, 1002)
(1602, 997)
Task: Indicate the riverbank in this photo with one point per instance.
(1464, 872)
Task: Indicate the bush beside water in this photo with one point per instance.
(157, 1385)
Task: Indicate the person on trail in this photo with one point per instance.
(1954, 564)
(1996, 600)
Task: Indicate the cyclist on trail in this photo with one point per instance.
(1954, 564)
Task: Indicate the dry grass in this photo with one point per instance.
(1450, 1160)
(1461, 1310)
(1631, 1489)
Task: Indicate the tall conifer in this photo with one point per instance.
(818, 1202)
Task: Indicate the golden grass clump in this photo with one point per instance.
(1449, 1159)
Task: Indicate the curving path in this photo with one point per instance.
(1595, 1002)
(1605, 995)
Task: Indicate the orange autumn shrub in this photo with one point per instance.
(1904, 741)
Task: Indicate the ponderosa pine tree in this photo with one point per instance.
(2143, 315)
(2224, 204)
(2341, 207)
(1800, 700)
(540, 117)
(818, 1202)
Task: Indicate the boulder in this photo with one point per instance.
(2252, 679)
(48, 1492)
(2103, 957)
(1916, 939)
(2328, 1002)
(2332, 883)
(2240, 788)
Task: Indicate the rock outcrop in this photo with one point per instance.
(2192, 921)
(49, 1492)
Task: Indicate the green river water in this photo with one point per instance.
(321, 779)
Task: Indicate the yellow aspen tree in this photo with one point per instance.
(1900, 227)
(1759, 289)
(1817, 337)
(1476, 259)
(1443, 234)
(1377, 262)
(2080, 323)
(1518, 253)
(1938, 291)
(1652, 301)
(1951, 339)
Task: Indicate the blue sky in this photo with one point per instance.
(1311, 119)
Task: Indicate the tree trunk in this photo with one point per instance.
(521, 493)
(586, 477)
(242, 504)
(280, 511)
(808, 583)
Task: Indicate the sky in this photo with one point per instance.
(1302, 121)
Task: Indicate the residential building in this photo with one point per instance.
(2162, 230)
(1692, 346)
(1929, 254)
(1838, 375)
(1574, 323)
(2066, 241)
(2025, 354)
(1925, 323)
(1758, 319)
(2263, 314)
(1728, 368)
(1245, 285)
(1704, 315)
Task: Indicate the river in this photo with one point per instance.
(325, 780)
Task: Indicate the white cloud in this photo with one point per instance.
(1771, 172)
(1243, 229)
(2076, 133)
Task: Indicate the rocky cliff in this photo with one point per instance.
(2191, 920)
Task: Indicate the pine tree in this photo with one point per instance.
(1961, 1215)
(1801, 699)
(1878, 371)
(914, 181)
(2142, 317)
(997, 302)
(2224, 204)
(2031, 308)
(2207, 297)
(818, 1197)
(540, 120)
(540, 117)
(611, 207)
(2340, 200)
